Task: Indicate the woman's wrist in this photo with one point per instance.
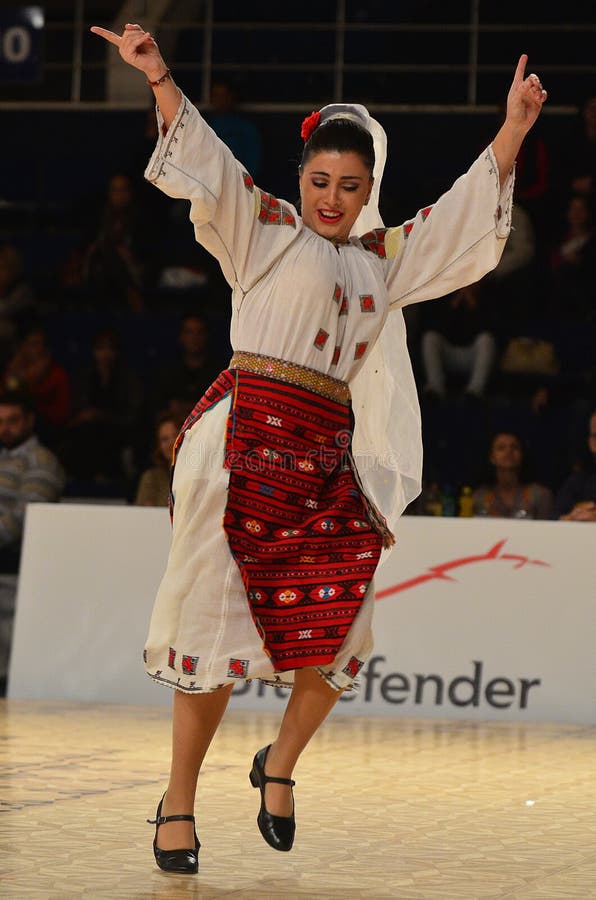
(156, 71)
(515, 130)
(161, 80)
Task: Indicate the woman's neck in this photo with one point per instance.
(507, 479)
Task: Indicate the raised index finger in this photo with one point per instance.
(108, 35)
(521, 69)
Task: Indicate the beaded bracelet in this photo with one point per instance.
(161, 80)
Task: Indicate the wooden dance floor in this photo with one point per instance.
(385, 808)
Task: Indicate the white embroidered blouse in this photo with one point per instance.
(298, 297)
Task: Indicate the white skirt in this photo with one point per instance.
(201, 635)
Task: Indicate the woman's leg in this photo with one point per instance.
(483, 355)
(433, 352)
(195, 721)
(311, 700)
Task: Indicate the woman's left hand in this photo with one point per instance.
(525, 98)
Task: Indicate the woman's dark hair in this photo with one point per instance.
(18, 398)
(161, 418)
(343, 136)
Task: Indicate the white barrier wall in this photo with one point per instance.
(475, 618)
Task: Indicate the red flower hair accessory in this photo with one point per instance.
(309, 124)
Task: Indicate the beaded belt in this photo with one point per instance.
(269, 366)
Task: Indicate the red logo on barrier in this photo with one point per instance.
(440, 571)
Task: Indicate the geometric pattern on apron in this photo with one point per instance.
(297, 523)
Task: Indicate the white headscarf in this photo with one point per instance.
(387, 441)
(370, 216)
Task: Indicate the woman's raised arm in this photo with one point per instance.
(524, 103)
(139, 50)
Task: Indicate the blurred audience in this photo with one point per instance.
(509, 493)
(182, 383)
(32, 368)
(154, 484)
(457, 338)
(573, 262)
(532, 173)
(576, 499)
(17, 299)
(578, 163)
(118, 262)
(508, 289)
(235, 128)
(97, 444)
(29, 473)
(533, 182)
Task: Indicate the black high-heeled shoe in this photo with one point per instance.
(183, 862)
(278, 831)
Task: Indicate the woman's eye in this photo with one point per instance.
(351, 187)
(320, 184)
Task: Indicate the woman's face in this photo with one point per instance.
(166, 436)
(333, 189)
(506, 452)
(35, 346)
(120, 192)
(105, 352)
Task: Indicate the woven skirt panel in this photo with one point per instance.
(296, 521)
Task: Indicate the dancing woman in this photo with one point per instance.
(293, 468)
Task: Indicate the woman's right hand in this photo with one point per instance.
(137, 48)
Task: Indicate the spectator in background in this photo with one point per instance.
(576, 499)
(117, 263)
(532, 179)
(154, 485)
(29, 473)
(510, 286)
(140, 154)
(573, 262)
(510, 495)
(33, 369)
(532, 170)
(457, 338)
(17, 299)
(182, 383)
(235, 129)
(106, 407)
(579, 159)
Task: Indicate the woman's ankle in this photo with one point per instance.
(178, 802)
(277, 764)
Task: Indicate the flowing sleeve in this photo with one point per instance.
(451, 244)
(230, 214)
